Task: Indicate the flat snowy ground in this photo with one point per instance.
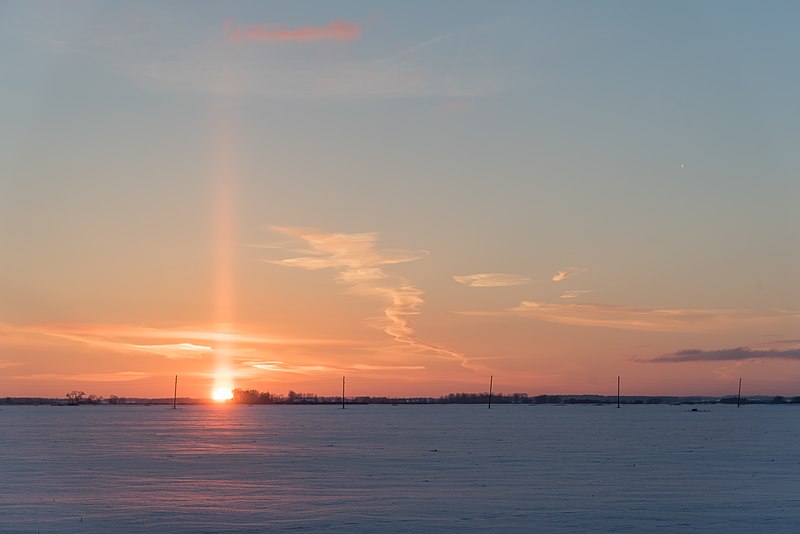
(443, 468)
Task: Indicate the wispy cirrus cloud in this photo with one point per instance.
(361, 267)
(251, 353)
(336, 30)
(631, 318)
(262, 57)
(369, 367)
(576, 293)
(355, 256)
(491, 279)
(175, 351)
(190, 343)
(284, 367)
(569, 272)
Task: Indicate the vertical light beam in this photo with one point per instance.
(224, 201)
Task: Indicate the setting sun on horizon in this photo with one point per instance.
(222, 394)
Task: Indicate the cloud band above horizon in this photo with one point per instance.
(734, 354)
(491, 279)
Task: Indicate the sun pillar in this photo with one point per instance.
(224, 213)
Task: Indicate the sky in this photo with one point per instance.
(414, 195)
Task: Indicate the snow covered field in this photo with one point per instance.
(443, 468)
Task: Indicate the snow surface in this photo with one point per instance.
(442, 468)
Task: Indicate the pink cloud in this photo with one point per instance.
(336, 30)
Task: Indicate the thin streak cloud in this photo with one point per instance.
(367, 367)
(126, 334)
(491, 280)
(360, 266)
(281, 367)
(284, 367)
(122, 376)
(576, 293)
(569, 272)
(176, 351)
(181, 343)
(630, 318)
(234, 61)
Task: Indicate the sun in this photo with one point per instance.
(222, 394)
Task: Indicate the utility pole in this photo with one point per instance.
(175, 394)
(618, 392)
(342, 392)
(491, 379)
(739, 395)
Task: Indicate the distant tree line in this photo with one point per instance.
(253, 396)
(733, 399)
(76, 397)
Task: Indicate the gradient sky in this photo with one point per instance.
(416, 195)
